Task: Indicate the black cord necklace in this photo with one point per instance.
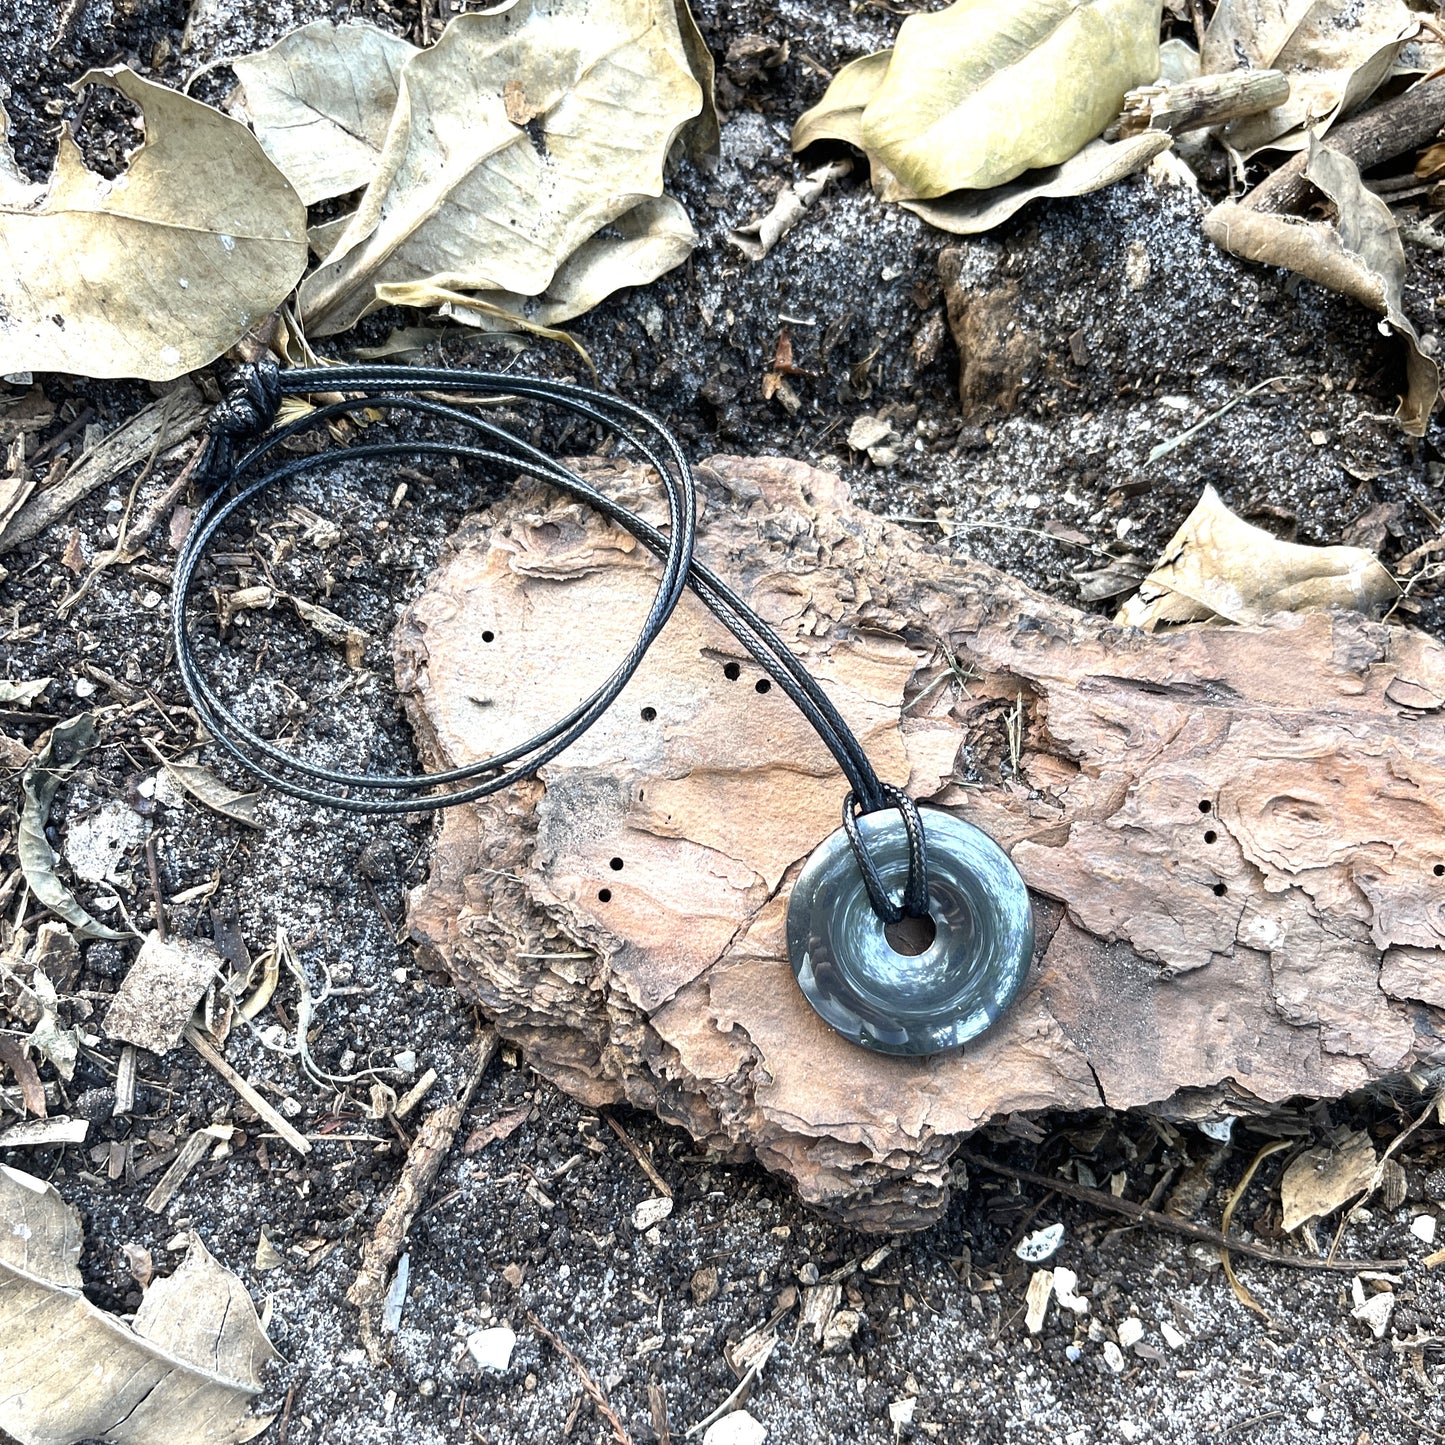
(972, 933)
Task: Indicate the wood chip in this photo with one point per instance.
(35, 1132)
(192, 1152)
(157, 997)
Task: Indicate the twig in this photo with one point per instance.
(753, 1371)
(70, 17)
(423, 1163)
(283, 1431)
(657, 1400)
(1380, 1391)
(1164, 448)
(1240, 1293)
(1201, 1232)
(643, 1162)
(593, 1389)
(213, 1056)
(155, 873)
(1410, 120)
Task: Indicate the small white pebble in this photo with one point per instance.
(1113, 1357)
(492, 1349)
(1172, 1337)
(739, 1428)
(290, 1107)
(1423, 1228)
(1073, 1354)
(84, 687)
(405, 1061)
(1220, 1129)
(1131, 1331)
(1375, 1312)
(1040, 1244)
(1130, 1431)
(1316, 1415)
(651, 1212)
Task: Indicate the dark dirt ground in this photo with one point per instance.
(1141, 327)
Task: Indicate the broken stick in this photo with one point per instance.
(423, 1162)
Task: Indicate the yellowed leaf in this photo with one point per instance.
(986, 89)
(839, 115)
(159, 271)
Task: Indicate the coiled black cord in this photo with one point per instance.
(242, 435)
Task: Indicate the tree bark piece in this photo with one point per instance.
(1231, 833)
(423, 1163)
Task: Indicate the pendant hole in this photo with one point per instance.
(604, 895)
(1205, 806)
(1439, 870)
(911, 936)
(1220, 889)
(732, 671)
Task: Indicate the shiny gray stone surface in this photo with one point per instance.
(897, 1003)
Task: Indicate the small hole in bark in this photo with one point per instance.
(649, 714)
(732, 671)
(1211, 836)
(1220, 890)
(489, 636)
(616, 865)
(604, 895)
(762, 685)
(1205, 806)
(1439, 870)
(910, 936)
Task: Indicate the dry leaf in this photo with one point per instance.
(184, 1373)
(502, 1127)
(1098, 164)
(976, 94)
(1358, 254)
(320, 101)
(1335, 55)
(1321, 1181)
(206, 788)
(467, 200)
(198, 240)
(22, 694)
(52, 1040)
(69, 741)
(1220, 568)
(638, 247)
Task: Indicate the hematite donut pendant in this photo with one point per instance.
(911, 1003)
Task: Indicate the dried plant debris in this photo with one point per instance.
(320, 101)
(1098, 164)
(194, 778)
(1218, 567)
(200, 239)
(515, 139)
(69, 742)
(1335, 56)
(973, 96)
(1359, 254)
(184, 1372)
(158, 995)
(759, 237)
(1320, 1181)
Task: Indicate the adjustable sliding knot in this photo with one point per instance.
(245, 413)
(914, 900)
